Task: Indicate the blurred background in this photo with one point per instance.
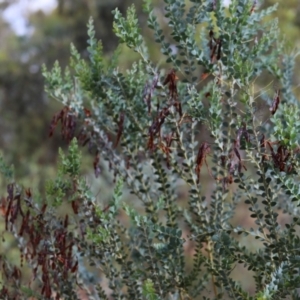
(33, 32)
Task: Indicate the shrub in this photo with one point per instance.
(156, 128)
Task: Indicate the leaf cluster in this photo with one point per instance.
(156, 128)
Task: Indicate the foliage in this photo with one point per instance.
(25, 109)
(155, 129)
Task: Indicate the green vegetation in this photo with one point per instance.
(216, 121)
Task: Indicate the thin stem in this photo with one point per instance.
(211, 259)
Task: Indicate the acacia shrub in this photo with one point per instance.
(154, 127)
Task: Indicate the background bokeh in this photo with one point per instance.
(26, 111)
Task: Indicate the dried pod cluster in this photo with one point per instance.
(46, 246)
